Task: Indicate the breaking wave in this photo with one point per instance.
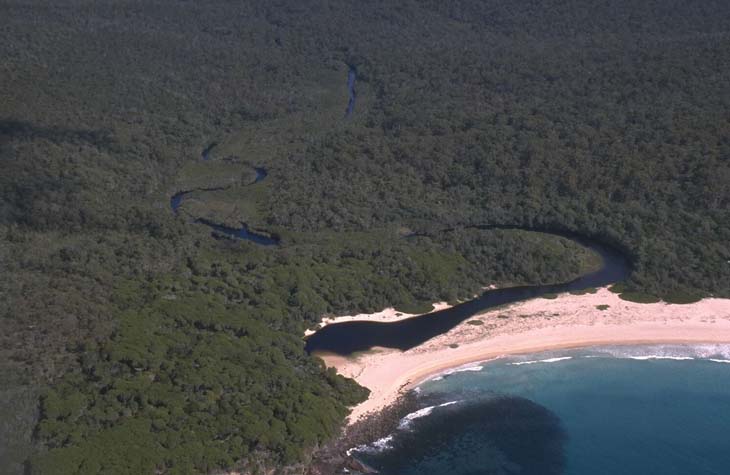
(459, 369)
(546, 360)
(405, 423)
(718, 353)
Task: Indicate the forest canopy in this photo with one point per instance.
(131, 340)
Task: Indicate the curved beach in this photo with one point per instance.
(568, 321)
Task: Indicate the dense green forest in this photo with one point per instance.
(132, 341)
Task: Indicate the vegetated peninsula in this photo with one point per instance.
(187, 187)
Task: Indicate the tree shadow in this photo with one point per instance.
(18, 129)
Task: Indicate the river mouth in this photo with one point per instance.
(350, 337)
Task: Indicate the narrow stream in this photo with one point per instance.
(239, 233)
(351, 79)
(206, 152)
(219, 229)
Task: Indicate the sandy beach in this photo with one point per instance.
(568, 321)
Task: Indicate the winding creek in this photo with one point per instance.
(243, 232)
(219, 229)
(349, 337)
(240, 233)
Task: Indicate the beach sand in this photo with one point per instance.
(389, 314)
(568, 321)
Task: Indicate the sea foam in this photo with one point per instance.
(546, 360)
(375, 447)
(660, 357)
(406, 421)
(713, 352)
(385, 442)
(460, 369)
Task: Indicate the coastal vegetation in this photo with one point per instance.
(680, 297)
(590, 290)
(639, 297)
(144, 344)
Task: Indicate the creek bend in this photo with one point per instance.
(243, 232)
(219, 230)
(350, 337)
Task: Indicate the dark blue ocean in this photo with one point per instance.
(604, 411)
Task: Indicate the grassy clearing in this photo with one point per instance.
(228, 207)
(261, 142)
(214, 174)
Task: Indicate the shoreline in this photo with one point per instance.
(533, 326)
(387, 315)
(577, 345)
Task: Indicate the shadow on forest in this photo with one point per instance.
(13, 129)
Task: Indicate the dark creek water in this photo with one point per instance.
(206, 152)
(239, 233)
(177, 199)
(261, 173)
(218, 229)
(243, 232)
(351, 78)
(349, 337)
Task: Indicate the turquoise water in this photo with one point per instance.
(640, 410)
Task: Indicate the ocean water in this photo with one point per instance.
(604, 411)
